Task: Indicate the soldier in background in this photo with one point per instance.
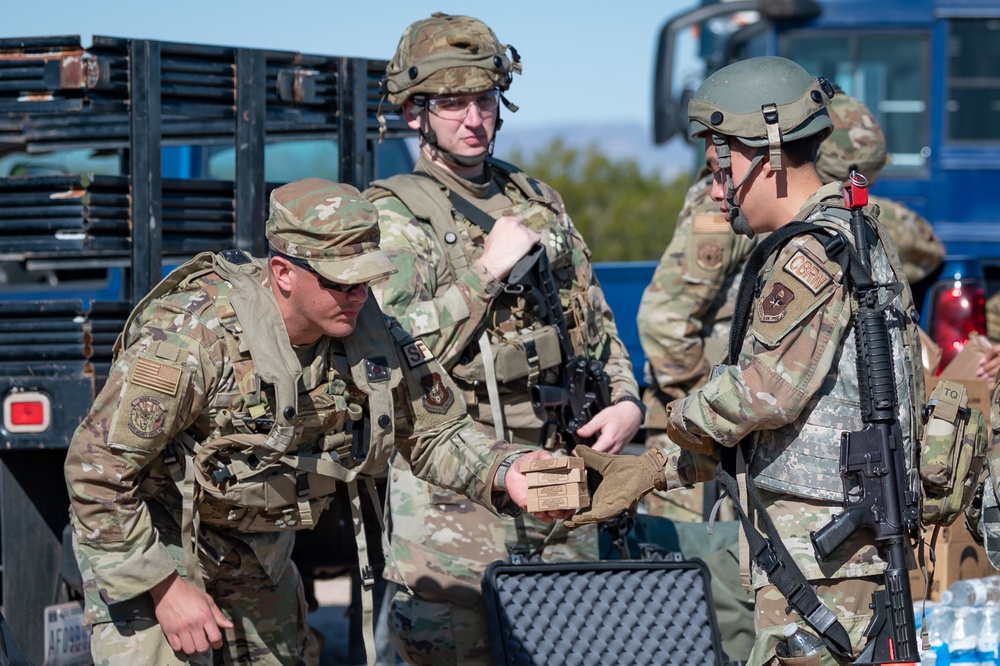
(241, 390)
(793, 388)
(455, 228)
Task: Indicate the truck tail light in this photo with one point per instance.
(957, 308)
(27, 411)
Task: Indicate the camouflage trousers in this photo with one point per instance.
(432, 633)
(848, 598)
(269, 621)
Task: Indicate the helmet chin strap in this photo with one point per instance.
(737, 218)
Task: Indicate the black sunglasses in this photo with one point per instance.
(323, 282)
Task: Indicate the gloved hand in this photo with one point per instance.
(624, 479)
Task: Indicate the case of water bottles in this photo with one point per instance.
(964, 627)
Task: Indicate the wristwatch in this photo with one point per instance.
(634, 400)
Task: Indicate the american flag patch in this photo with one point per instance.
(711, 223)
(156, 376)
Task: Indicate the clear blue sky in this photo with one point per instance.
(584, 61)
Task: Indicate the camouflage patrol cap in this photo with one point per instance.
(761, 101)
(446, 55)
(329, 226)
(857, 140)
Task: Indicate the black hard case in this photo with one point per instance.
(610, 612)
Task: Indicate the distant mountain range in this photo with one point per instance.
(617, 141)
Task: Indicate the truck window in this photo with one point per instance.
(973, 106)
(887, 71)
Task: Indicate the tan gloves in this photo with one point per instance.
(624, 479)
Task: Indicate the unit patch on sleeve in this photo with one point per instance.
(416, 353)
(710, 255)
(148, 417)
(809, 271)
(437, 398)
(156, 376)
(773, 306)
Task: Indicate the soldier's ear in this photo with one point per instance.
(281, 273)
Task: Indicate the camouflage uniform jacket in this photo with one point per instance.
(449, 306)
(795, 389)
(686, 310)
(184, 368)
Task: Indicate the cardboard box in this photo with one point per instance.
(962, 369)
(958, 558)
(536, 479)
(557, 503)
(563, 489)
(555, 464)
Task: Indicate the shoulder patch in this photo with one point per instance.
(438, 398)
(774, 305)
(147, 417)
(416, 352)
(710, 254)
(808, 270)
(156, 376)
(711, 223)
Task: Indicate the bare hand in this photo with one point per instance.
(616, 424)
(517, 487)
(188, 617)
(989, 364)
(505, 244)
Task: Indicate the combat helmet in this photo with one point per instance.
(448, 55)
(763, 102)
(857, 142)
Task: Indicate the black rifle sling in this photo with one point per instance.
(769, 552)
(478, 217)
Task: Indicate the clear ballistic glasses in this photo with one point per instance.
(456, 107)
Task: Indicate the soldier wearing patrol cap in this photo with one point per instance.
(793, 389)
(455, 228)
(242, 390)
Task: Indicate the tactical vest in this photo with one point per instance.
(280, 450)
(803, 458)
(523, 347)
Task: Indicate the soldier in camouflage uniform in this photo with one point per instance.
(793, 389)
(685, 312)
(242, 389)
(455, 228)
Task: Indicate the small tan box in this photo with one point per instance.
(553, 464)
(565, 489)
(554, 478)
(557, 503)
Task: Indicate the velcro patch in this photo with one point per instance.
(416, 353)
(809, 271)
(710, 254)
(156, 376)
(437, 397)
(773, 306)
(711, 223)
(147, 417)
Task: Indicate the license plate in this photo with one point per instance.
(67, 641)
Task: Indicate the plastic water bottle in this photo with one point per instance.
(973, 592)
(989, 634)
(801, 643)
(939, 624)
(965, 631)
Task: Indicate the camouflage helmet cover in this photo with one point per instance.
(857, 140)
(445, 55)
(331, 227)
(761, 101)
